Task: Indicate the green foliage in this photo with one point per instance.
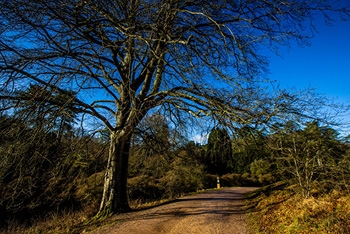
(266, 179)
(308, 155)
(260, 167)
(184, 177)
(48, 109)
(248, 145)
(159, 168)
(219, 152)
(88, 189)
(229, 180)
(40, 172)
(246, 179)
(145, 188)
(151, 152)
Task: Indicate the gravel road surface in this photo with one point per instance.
(216, 211)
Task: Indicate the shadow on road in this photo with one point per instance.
(224, 202)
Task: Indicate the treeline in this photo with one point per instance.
(41, 166)
(55, 165)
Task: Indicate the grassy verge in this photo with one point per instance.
(281, 209)
(54, 222)
(75, 222)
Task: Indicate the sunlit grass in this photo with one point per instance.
(286, 211)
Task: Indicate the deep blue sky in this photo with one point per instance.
(325, 65)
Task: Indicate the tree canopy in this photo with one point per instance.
(219, 152)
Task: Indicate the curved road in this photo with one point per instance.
(217, 211)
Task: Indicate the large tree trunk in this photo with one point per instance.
(114, 199)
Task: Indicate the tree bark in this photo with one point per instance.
(114, 198)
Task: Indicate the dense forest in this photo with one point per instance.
(55, 165)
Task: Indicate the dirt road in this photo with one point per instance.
(217, 211)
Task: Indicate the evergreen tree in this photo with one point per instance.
(219, 152)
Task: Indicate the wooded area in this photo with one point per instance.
(100, 97)
(46, 167)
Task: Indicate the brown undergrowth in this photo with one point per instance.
(54, 222)
(286, 211)
(73, 222)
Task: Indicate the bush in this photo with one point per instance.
(145, 188)
(246, 179)
(259, 167)
(229, 180)
(90, 189)
(183, 179)
(209, 181)
(266, 179)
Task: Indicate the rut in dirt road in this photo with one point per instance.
(217, 211)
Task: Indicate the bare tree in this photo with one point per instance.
(124, 58)
(308, 156)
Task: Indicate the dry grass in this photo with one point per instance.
(54, 222)
(72, 222)
(284, 211)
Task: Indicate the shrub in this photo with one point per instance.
(259, 167)
(145, 188)
(266, 179)
(229, 180)
(209, 181)
(183, 179)
(90, 189)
